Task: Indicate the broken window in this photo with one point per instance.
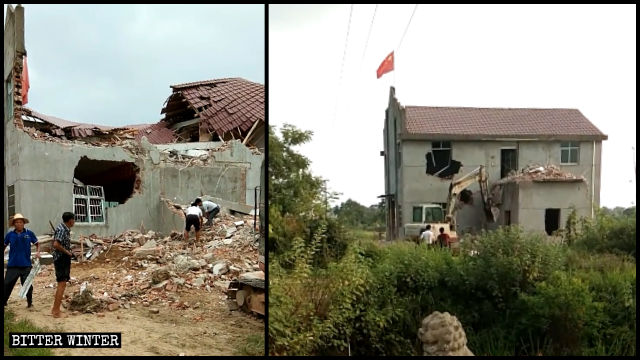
(88, 204)
(569, 153)
(507, 217)
(551, 220)
(118, 179)
(508, 161)
(439, 162)
(11, 200)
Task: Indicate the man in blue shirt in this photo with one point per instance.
(19, 240)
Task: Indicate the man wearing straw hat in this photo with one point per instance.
(19, 240)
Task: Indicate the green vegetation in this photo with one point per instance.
(254, 346)
(335, 290)
(11, 325)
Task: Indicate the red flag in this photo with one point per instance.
(386, 66)
(25, 80)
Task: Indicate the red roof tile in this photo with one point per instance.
(157, 133)
(221, 104)
(473, 122)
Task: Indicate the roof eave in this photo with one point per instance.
(488, 137)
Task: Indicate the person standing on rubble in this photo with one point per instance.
(19, 240)
(211, 209)
(194, 218)
(62, 259)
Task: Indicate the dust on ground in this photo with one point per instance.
(187, 314)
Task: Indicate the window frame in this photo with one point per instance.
(567, 147)
(87, 193)
(413, 214)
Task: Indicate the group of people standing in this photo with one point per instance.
(19, 265)
(428, 237)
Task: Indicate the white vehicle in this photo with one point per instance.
(434, 215)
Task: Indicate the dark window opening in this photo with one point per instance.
(119, 179)
(417, 214)
(508, 161)
(11, 200)
(551, 220)
(507, 217)
(439, 161)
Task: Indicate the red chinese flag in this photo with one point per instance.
(386, 66)
(25, 81)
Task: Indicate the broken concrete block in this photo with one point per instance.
(202, 263)
(239, 223)
(183, 263)
(234, 268)
(151, 234)
(160, 275)
(178, 281)
(149, 248)
(220, 268)
(199, 281)
(154, 311)
(230, 232)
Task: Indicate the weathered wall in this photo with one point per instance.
(13, 47)
(417, 187)
(534, 198)
(44, 188)
(392, 127)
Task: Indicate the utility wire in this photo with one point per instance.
(407, 28)
(344, 54)
(366, 44)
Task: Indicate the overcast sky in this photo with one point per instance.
(113, 64)
(581, 57)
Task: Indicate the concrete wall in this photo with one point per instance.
(417, 187)
(13, 47)
(534, 198)
(43, 175)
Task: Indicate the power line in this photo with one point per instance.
(366, 44)
(344, 54)
(407, 28)
(346, 42)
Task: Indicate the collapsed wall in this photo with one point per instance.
(49, 178)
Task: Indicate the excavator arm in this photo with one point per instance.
(479, 174)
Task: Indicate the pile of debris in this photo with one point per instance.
(539, 173)
(152, 270)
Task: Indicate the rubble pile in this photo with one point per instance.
(153, 270)
(535, 172)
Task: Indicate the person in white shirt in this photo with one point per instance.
(211, 209)
(194, 217)
(427, 236)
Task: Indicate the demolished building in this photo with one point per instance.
(541, 164)
(209, 144)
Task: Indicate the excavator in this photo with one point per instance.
(433, 214)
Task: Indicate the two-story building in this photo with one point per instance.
(426, 148)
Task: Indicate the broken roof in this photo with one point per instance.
(539, 173)
(221, 105)
(474, 123)
(75, 129)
